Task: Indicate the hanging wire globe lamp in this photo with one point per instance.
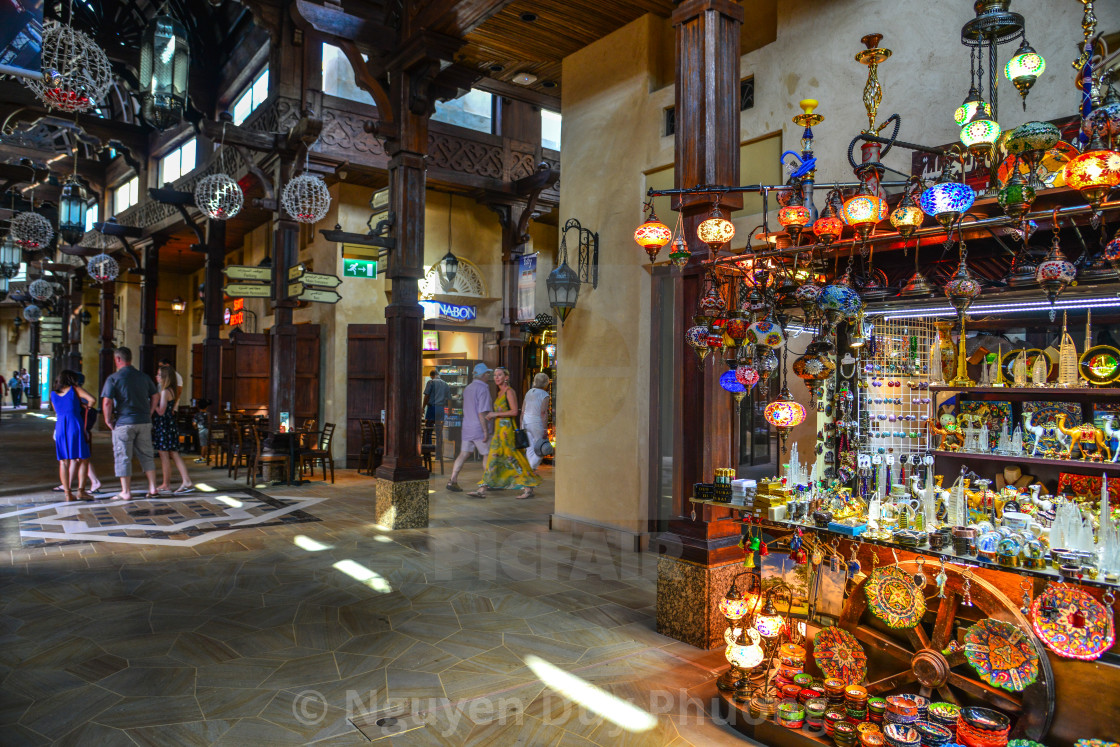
(32, 313)
(220, 197)
(76, 72)
(40, 290)
(103, 268)
(306, 198)
(32, 231)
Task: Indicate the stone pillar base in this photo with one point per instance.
(401, 505)
(687, 595)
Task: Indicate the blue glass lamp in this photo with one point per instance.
(731, 384)
(946, 201)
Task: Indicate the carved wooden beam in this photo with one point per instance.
(455, 17)
(122, 135)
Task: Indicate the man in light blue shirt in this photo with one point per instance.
(476, 428)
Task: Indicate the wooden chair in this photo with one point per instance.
(241, 448)
(257, 459)
(219, 441)
(378, 451)
(321, 454)
(431, 445)
(365, 453)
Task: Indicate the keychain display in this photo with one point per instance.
(1002, 654)
(1072, 623)
(839, 655)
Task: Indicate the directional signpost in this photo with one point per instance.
(259, 283)
(50, 330)
(313, 286)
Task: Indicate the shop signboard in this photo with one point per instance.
(527, 288)
(450, 312)
(359, 268)
(235, 313)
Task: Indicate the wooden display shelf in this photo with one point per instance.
(1050, 392)
(1009, 459)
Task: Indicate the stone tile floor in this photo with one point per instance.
(485, 628)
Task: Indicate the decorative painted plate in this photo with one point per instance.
(1100, 364)
(1001, 654)
(1072, 623)
(839, 655)
(893, 598)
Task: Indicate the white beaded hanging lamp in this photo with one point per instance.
(306, 198)
(31, 230)
(40, 290)
(76, 72)
(102, 268)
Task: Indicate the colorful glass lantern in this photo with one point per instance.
(1030, 141)
(766, 333)
(715, 337)
(980, 133)
(828, 228)
(715, 230)
(839, 300)
(806, 296)
(679, 253)
(731, 384)
(711, 304)
(1111, 251)
(769, 623)
(794, 218)
(1016, 196)
(1054, 274)
(784, 414)
(652, 235)
(1105, 119)
(736, 327)
(1094, 173)
(767, 364)
(946, 201)
(747, 376)
(697, 338)
(734, 607)
(72, 205)
(962, 289)
(164, 62)
(563, 290)
(1024, 68)
(907, 217)
(862, 212)
(972, 103)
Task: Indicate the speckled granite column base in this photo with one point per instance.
(401, 505)
(687, 595)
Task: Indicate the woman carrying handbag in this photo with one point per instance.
(506, 465)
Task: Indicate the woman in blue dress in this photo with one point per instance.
(70, 443)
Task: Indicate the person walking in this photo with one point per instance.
(15, 388)
(127, 401)
(25, 384)
(70, 445)
(435, 397)
(534, 419)
(165, 432)
(506, 465)
(476, 428)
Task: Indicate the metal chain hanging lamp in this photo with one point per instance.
(563, 285)
(40, 290)
(219, 196)
(76, 72)
(164, 63)
(306, 198)
(103, 268)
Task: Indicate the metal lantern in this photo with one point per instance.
(11, 257)
(450, 266)
(679, 253)
(32, 231)
(40, 290)
(72, 206)
(219, 196)
(178, 305)
(563, 290)
(164, 61)
(76, 72)
(306, 198)
(907, 217)
(102, 268)
(32, 313)
(1024, 68)
(962, 289)
(652, 235)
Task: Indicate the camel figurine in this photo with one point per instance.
(1111, 432)
(951, 437)
(1082, 435)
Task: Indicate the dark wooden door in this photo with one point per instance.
(307, 373)
(365, 381)
(196, 371)
(249, 371)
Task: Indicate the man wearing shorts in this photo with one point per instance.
(476, 428)
(127, 400)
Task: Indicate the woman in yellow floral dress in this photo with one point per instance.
(506, 465)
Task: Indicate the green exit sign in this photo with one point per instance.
(359, 268)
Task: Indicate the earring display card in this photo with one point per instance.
(895, 369)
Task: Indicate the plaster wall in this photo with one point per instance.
(613, 143)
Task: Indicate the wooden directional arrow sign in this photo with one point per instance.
(248, 272)
(319, 295)
(317, 279)
(248, 290)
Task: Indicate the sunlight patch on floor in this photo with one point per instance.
(619, 712)
(370, 578)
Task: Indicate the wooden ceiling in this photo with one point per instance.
(538, 47)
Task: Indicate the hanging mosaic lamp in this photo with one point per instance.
(715, 230)
(793, 218)
(1112, 251)
(947, 200)
(766, 333)
(980, 133)
(711, 304)
(1106, 117)
(679, 253)
(1054, 274)
(32, 231)
(747, 376)
(767, 364)
(962, 289)
(697, 338)
(32, 313)
(76, 72)
(806, 296)
(736, 326)
(102, 268)
(907, 217)
(863, 211)
(1024, 68)
(1094, 173)
(1016, 196)
(306, 198)
(652, 235)
(839, 300)
(731, 384)
(219, 196)
(972, 103)
(828, 228)
(784, 414)
(40, 290)
(1030, 141)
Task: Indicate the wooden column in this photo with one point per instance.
(74, 327)
(215, 249)
(149, 292)
(511, 346)
(105, 362)
(404, 317)
(282, 385)
(34, 401)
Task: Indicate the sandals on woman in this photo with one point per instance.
(526, 493)
(480, 493)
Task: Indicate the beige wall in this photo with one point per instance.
(613, 148)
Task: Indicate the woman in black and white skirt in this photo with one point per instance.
(165, 432)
